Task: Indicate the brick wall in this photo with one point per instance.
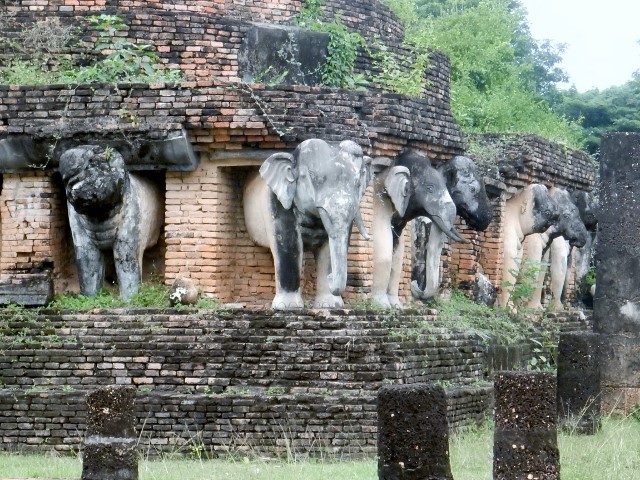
(203, 38)
(34, 222)
(233, 380)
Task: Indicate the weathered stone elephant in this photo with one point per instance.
(583, 256)
(308, 200)
(405, 188)
(468, 193)
(110, 209)
(532, 210)
(553, 247)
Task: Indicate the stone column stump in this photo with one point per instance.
(110, 441)
(616, 305)
(413, 433)
(525, 441)
(579, 382)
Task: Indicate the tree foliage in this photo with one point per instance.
(615, 109)
(500, 75)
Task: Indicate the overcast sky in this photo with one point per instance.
(601, 37)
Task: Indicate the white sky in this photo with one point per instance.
(601, 38)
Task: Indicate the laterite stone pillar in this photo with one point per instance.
(110, 443)
(616, 306)
(525, 440)
(413, 433)
(579, 382)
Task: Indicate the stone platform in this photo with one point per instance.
(255, 380)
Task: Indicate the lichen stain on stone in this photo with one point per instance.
(631, 311)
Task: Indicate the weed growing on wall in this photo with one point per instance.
(487, 155)
(526, 272)
(493, 325)
(124, 61)
(42, 58)
(400, 75)
(338, 70)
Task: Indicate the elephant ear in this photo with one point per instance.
(280, 172)
(396, 184)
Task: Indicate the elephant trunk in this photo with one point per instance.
(339, 230)
(338, 277)
(360, 225)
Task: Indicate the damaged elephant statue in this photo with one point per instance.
(110, 209)
(532, 210)
(308, 200)
(587, 207)
(553, 247)
(405, 188)
(468, 193)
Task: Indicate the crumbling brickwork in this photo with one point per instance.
(317, 371)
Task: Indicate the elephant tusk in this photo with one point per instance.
(454, 234)
(360, 224)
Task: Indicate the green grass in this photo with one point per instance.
(612, 454)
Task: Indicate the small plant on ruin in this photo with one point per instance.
(42, 57)
(400, 75)
(495, 325)
(544, 354)
(124, 61)
(527, 272)
(38, 52)
(148, 296)
(309, 12)
(338, 70)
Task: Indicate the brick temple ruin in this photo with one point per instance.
(199, 140)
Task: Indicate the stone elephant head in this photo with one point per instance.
(94, 179)
(317, 190)
(587, 207)
(467, 190)
(569, 224)
(417, 189)
(537, 209)
(110, 210)
(407, 187)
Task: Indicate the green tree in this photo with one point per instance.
(499, 73)
(615, 109)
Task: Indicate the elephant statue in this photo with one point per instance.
(405, 188)
(553, 247)
(109, 209)
(532, 210)
(467, 191)
(308, 200)
(587, 207)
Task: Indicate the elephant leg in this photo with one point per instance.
(559, 254)
(396, 271)
(324, 297)
(89, 258)
(91, 267)
(127, 257)
(286, 248)
(382, 253)
(533, 251)
(510, 265)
